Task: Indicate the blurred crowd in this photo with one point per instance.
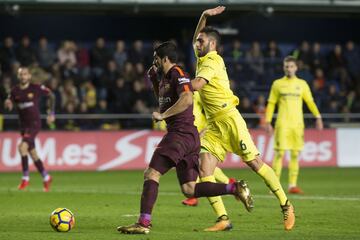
(110, 77)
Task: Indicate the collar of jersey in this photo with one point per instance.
(208, 54)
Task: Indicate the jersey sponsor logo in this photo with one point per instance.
(24, 105)
(164, 100)
(30, 95)
(290, 94)
(183, 80)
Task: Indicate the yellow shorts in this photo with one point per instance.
(288, 138)
(228, 133)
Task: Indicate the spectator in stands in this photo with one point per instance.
(99, 57)
(68, 93)
(107, 79)
(119, 96)
(69, 123)
(25, 54)
(66, 53)
(83, 62)
(273, 62)
(260, 107)
(353, 102)
(337, 67)
(129, 73)
(255, 59)
(304, 54)
(7, 55)
(137, 54)
(237, 53)
(304, 72)
(45, 54)
(318, 60)
(89, 96)
(86, 123)
(69, 70)
(120, 54)
(352, 60)
(245, 108)
(39, 75)
(319, 78)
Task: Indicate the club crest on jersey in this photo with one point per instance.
(167, 86)
(183, 80)
(30, 95)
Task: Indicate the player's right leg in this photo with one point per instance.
(158, 166)
(23, 150)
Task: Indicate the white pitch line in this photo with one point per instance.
(102, 191)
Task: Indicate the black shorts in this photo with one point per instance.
(179, 150)
(28, 135)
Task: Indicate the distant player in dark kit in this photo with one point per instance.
(180, 147)
(26, 97)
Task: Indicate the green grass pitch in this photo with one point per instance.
(101, 201)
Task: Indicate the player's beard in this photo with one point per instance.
(205, 50)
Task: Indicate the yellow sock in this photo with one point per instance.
(278, 162)
(272, 182)
(215, 202)
(293, 168)
(220, 176)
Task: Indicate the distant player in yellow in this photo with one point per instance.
(227, 130)
(201, 124)
(288, 93)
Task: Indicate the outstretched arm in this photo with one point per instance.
(202, 21)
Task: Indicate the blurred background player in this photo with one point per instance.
(227, 130)
(200, 123)
(26, 97)
(288, 93)
(180, 147)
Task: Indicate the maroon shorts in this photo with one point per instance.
(179, 150)
(28, 135)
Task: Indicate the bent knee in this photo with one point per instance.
(255, 164)
(151, 174)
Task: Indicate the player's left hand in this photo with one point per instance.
(50, 119)
(319, 124)
(157, 116)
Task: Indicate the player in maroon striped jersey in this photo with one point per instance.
(26, 97)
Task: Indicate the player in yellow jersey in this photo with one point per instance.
(288, 93)
(201, 124)
(227, 130)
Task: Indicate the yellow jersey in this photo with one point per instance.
(288, 94)
(216, 95)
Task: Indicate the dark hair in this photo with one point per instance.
(290, 59)
(212, 32)
(167, 49)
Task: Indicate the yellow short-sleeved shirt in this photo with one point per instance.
(288, 94)
(226, 130)
(216, 95)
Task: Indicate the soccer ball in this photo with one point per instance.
(62, 220)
